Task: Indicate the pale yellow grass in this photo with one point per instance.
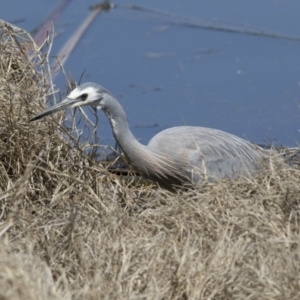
(71, 230)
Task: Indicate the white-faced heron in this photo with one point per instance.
(175, 156)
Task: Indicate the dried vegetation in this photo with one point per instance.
(71, 230)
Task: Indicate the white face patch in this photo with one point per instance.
(77, 104)
(90, 91)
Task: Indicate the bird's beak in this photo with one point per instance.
(63, 105)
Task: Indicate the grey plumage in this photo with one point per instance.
(175, 156)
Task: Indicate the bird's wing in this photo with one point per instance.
(214, 152)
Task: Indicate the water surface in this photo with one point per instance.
(166, 74)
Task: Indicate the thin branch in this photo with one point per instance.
(209, 25)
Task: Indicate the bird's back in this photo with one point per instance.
(205, 152)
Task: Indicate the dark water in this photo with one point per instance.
(166, 74)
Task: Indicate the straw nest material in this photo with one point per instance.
(71, 230)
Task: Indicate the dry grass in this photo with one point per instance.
(71, 230)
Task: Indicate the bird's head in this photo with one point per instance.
(86, 94)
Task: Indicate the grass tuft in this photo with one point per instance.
(69, 229)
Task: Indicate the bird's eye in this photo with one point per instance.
(83, 97)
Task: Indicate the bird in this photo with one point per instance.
(175, 157)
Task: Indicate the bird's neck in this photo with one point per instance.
(124, 137)
(150, 164)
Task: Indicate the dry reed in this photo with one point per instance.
(71, 230)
